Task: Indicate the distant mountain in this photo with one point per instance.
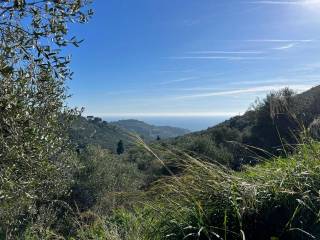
(93, 130)
(150, 132)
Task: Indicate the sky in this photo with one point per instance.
(192, 57)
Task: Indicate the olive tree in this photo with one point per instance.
(35, 161)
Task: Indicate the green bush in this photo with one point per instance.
(103, 180)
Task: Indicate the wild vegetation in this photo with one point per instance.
(268, 128)
(62, 176)
(93, 130)
(274, 200)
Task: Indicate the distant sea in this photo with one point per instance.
(191, 123)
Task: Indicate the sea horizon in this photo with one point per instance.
(191, 123)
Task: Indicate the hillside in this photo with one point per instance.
(93, 130)
(150, 132)
(237, 140)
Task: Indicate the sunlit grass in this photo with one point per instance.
(278, 199)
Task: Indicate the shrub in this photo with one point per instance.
(102, 177)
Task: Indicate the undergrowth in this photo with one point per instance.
(278, 199)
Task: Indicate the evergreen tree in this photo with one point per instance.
(120, 147)
(158, 138)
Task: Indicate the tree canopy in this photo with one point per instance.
(36, 163)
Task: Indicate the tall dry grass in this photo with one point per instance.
(278, 199)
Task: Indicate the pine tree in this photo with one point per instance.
(120, 147)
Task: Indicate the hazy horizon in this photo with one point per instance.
(191, 123)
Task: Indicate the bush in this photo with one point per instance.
(102, 178)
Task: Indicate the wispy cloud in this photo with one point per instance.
(226, 52)
(285, 47)
(287, 43)
(222, 55)
(235, 58)
(282, 80)
(308, 68)
(277, 2)
(178, 80)
(281, 40)
(176, 71)
(259, 89)
(193, 89)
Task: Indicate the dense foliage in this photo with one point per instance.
(101, 179)
(36, 166)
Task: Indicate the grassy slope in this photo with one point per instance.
(278, 199)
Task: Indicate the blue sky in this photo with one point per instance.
(193, 57)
